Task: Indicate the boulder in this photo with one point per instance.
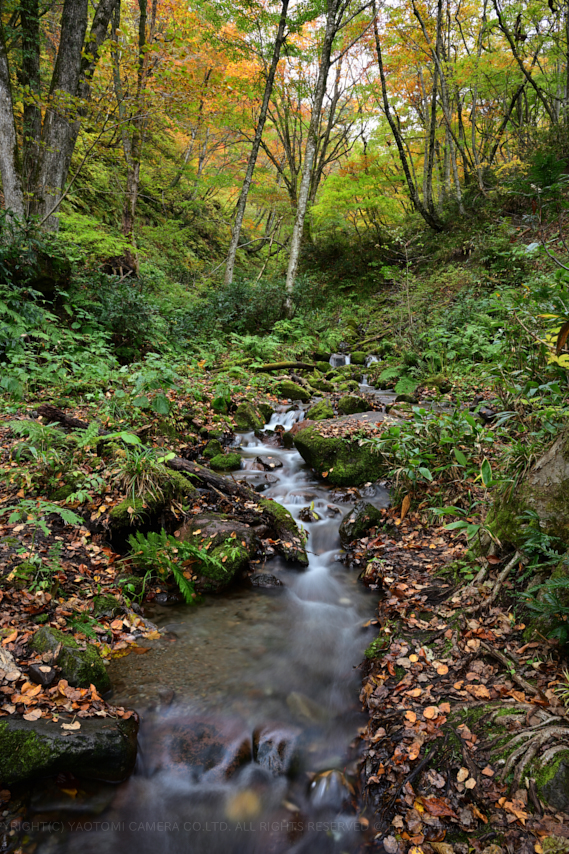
(148, 507)
(545, 491)
(351, 403)
(320, 411)
(266, 581)
(269, 463)
(226, 462)
(553, 782)
(321, 385)
(438, 381)
(266, 410)
(246, 417)
(358, 357)
(323, 367)
(81, 667)
(290, 543)
(363, 517)
(103, 749)
(106, 605)
(213, 449)
(346, 461)
(293, 391)
(230, 542)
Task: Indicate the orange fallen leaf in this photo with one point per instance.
(411, 717)
(431, 712)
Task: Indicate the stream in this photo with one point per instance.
(248, 703)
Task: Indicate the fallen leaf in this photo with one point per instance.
(411, 717)
(75, 725)
(405, 505)
(437, 807)
(470, 784)
(442, 670)
(463, 775)
(34, 715)
(431, 712)
(488, 772)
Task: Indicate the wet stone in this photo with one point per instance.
(41, 674)
(266, 581)
(275, 749)
(269, 463)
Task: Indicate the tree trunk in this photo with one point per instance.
(58, 137)
(9, 171)
(430, 219)
(332, 24)
(30, 80)
(242, 203)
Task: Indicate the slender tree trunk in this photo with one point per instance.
(58, 133)
(242, 202)
(430, 219)
(332, 25)
(475, 155)
(9, 166)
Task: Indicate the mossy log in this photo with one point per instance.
(281, 366)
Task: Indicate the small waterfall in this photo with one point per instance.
(285, 419)
(339, 359)
(371, 360)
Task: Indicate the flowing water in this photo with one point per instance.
(248, 704)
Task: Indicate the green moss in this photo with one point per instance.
(226, 462)
(106, 606)
(266, 410)
(323, 367)
(22, 754)
(291, 545)
(358, 357)
(173, 485)
(320, 411)
(347, 463)
(321, 385)
(80, 667)
(293, 391)
(212, 449)
(247, 418)
(351, 403)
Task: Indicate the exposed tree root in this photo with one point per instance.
(486, 603)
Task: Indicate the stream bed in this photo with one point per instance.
(248, 704)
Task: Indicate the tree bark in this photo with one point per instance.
(332, 26)
(58, 128)
(31, 83)
(242, 203)
(9, 166)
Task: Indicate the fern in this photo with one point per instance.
(42, 435)
(391, 373)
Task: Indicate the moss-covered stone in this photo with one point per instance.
(290, 543)
(266, 411)
(545, 491)
(212, 449)
(80, 667)
(106, 606)
(323, 367)
(363, 517)
(358, 357)
(351, 403)
(173, 485)
(347, 462)
(438, 381)
(293, 391)
(321, 385)
(320, 411)
(231, 543)
(103, 749)
(247, 417)
(226, 462)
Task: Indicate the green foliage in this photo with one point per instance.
(550, 602)
(165, 555)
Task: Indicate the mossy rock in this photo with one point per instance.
(438, 381)
(213, 449)
(80, 667)
(290, 543)
(293, 391)
(266, 410)
(323, 367)
(351, 403)
(173, 485)
(230, 542)
(320, 411)
(545, 491)
(358, 357)
(103, 749)
(226, 462)
(363, 517)
(106, 605)
(247, 418)
(333, 376)
(347, 463)
(321, 385)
